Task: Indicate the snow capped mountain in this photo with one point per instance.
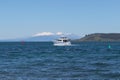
(49, 36)
(46, 36)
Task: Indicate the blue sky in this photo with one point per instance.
(22, 18)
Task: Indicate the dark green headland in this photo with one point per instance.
(101, 37)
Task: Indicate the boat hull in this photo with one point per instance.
(62, 44)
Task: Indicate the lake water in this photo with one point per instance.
(43, 61)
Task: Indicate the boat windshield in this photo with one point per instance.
(59, 40)
(65, 40)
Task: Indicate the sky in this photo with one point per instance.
(23, 18)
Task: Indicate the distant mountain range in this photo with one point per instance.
(45, 36)
(49, 36)
(101, 37)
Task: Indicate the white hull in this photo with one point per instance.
(62, 44)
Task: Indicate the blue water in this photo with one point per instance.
(43, 61)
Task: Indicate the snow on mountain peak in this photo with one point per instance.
(44, 34)
(59, 33)
(47, 34)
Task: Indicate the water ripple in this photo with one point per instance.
(43, 61)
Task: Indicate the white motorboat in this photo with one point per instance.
(62, 41)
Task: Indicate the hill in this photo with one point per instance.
(101, 37)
